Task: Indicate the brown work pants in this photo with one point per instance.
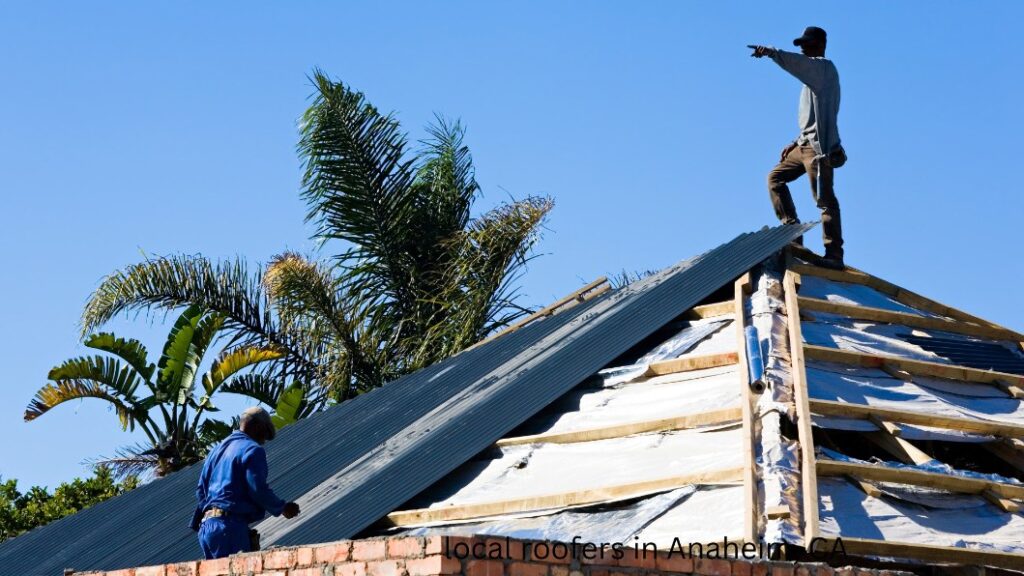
(798, 162)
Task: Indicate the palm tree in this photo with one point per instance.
(168, 400)
(416, 277)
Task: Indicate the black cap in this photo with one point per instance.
(812, 35)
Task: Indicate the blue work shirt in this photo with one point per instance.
(234, 479)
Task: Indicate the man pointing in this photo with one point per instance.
(233, 491)
(817, 149)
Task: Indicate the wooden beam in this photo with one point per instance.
(691, 363)
(777, 513)
(915, 367)
(867, 488)
(904, 451)
(862, 411)
(928, 553)
(721, 416)
(751, 507)
(918, 478)
(897, 373)
(591, 290)
(905, 319)
(900, 294)
(1004, 504)
(560, 500)
(712, 310)
(1010, 388)
(889, 427)
(1008, 450)
(808, 471)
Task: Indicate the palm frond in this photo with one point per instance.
(55, 393)
(178, 364)
(131, 461)
(128, 349)
(111, 373)
(233, 361)
(255, 386)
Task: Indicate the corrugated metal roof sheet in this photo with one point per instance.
(351, 465)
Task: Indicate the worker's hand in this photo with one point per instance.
(291, 510)
(785, 151)
(760, 51)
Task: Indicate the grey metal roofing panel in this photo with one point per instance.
(354, 463)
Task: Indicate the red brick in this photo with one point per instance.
(639, 558)
(333, 553)
(597, 573)
(384, 568)
(439, 544)
(782, 569)
(510, 549)
(802, 570)
(710, 567)
(559, 571)
(350, 569)
(527, 569)
(430, 566)
(276, 559)
(183, 569)
(550, 552)
(125, 572)
(405, 548)
(823, 570)
(484, 568)
(677, 563)
(160, 570)
(246, 563)
(218, 567)
(304, 557)
(759, 569)
(741, 568)
(369, 549)
(312, 571)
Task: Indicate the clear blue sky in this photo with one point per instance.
(171, 127)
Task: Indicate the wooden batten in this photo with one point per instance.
(691, 363)
(862, 411)
(905, 319)
(926, 552)
(904, 451)
(914, 367)
(712, 417)
(715, 310)
(919, 478)
(559, 500)
(751, 505)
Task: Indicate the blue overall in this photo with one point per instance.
(234, 479)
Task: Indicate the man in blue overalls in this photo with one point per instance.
(233, 489)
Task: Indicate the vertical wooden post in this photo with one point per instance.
(808, 473)
(752, 516)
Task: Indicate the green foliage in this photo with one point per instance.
(162, 400)
(21, 512)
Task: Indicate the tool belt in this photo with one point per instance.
(213, 513)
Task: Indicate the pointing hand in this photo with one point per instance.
(760, 51)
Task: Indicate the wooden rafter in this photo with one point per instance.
(862, 411)
(691, 363)
(720, 416)
(809, 477)
(902, 295)
(560, 500)
(926, 552)
(919, 478)
(914, 367)
(751, 518)
(726, 308)
(906, 319)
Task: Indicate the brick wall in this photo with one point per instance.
(436, 556)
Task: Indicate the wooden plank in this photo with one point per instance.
(751, 507)
(928, 553)
(862, 411)
(918, 478)
(889, 427)
(867, 488)
(905, 319)
(898, 447)
(588, 291)
(915, 367)
(560, 500)
(1005, 504)
(897, 373)
(1010, 388)
(721, 416)
(808, 471)
(898, 293)
(777, 513)
(712, 310)
(690, 363)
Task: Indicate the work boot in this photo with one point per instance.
(832, 263)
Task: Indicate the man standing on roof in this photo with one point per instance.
(233, 489)
(817, 150)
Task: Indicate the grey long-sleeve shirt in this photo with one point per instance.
(819, 100)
